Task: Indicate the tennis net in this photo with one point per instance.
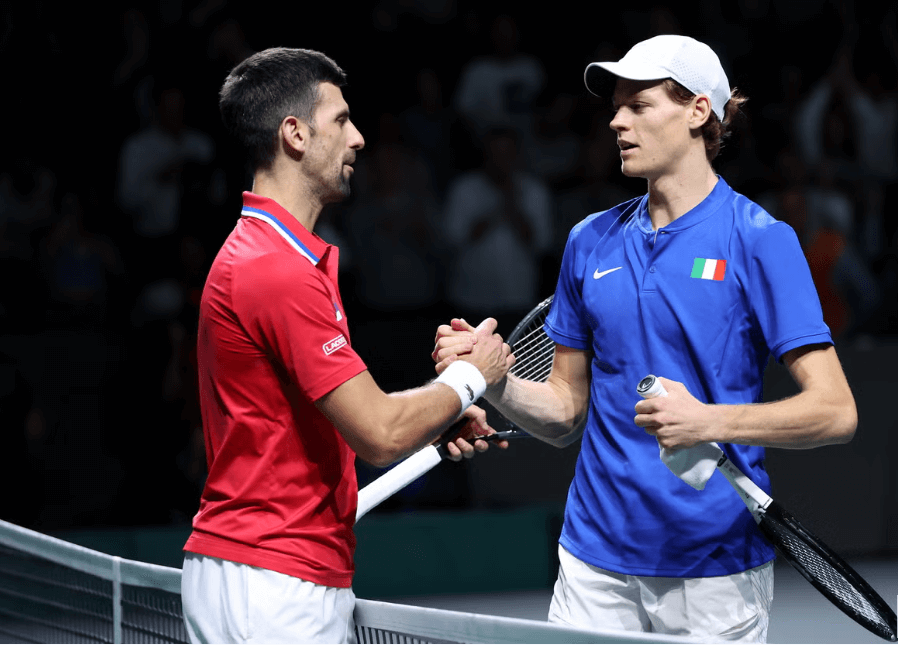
(52, 591)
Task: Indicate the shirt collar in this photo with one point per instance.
(306, 243)
(702, 211)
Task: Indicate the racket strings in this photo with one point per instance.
(830, 579)
(534, 352)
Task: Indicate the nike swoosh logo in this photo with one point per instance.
(598, 274)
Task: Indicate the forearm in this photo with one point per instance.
(548, 411)
(806, 420)
(414, 418)
(383, 428)
(822, 413)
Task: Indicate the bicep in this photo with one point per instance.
(570, 376)
(570, 386)
(816, 368)
(819, 375)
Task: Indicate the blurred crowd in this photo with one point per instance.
(483, 148)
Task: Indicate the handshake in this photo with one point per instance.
(480, 346)
(490, 355)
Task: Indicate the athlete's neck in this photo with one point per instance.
(289, 192)
(672, 196)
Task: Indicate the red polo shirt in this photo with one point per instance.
(281, 492)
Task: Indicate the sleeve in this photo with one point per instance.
(293, 316)
(784, 299)
(567, 323)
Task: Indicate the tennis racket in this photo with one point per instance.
(534, 352)
(807, 553)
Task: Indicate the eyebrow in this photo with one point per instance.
(628, 98)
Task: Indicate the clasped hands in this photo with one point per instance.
(486, 350)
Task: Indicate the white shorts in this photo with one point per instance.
(722, 608)
(228, 602)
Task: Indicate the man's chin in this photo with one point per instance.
(631, 172)
(340, 194)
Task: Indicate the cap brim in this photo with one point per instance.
(600, 77)
(598, 80)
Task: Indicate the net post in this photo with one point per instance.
(116, 599)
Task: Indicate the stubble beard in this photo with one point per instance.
(334, 188)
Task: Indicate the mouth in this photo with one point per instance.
(626, 146)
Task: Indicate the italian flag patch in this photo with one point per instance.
(706, 269)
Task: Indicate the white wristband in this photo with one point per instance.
(466, 380)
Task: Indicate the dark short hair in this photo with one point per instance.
(266, 88)
(714, 131)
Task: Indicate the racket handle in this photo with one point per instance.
(406, 471)
(504, 435)
(396, 479)
(650, 387)
(755, 499)
(693, 465)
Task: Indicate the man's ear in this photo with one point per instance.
(701, 111)
(294, 135)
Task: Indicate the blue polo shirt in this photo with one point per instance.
(704, 300)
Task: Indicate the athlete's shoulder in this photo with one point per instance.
(749, 214)
(265, 269)
(757, 229)
(599, 223)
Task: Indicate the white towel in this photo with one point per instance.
(693, 465)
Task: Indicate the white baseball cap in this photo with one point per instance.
(689, 62)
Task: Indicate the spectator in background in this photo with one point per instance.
(500, 88)
(180, 445)
(27, 210)
(823, 218)
(393, 231)
(778, 114)
(851, 127)
(427, 126)
(595, 184)
(153, 173)
(163, 169)
(498, 224)
(81, 269)
(133, 76)
(556, 149)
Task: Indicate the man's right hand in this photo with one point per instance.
(480, 346)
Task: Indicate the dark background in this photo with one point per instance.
(97, 387)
